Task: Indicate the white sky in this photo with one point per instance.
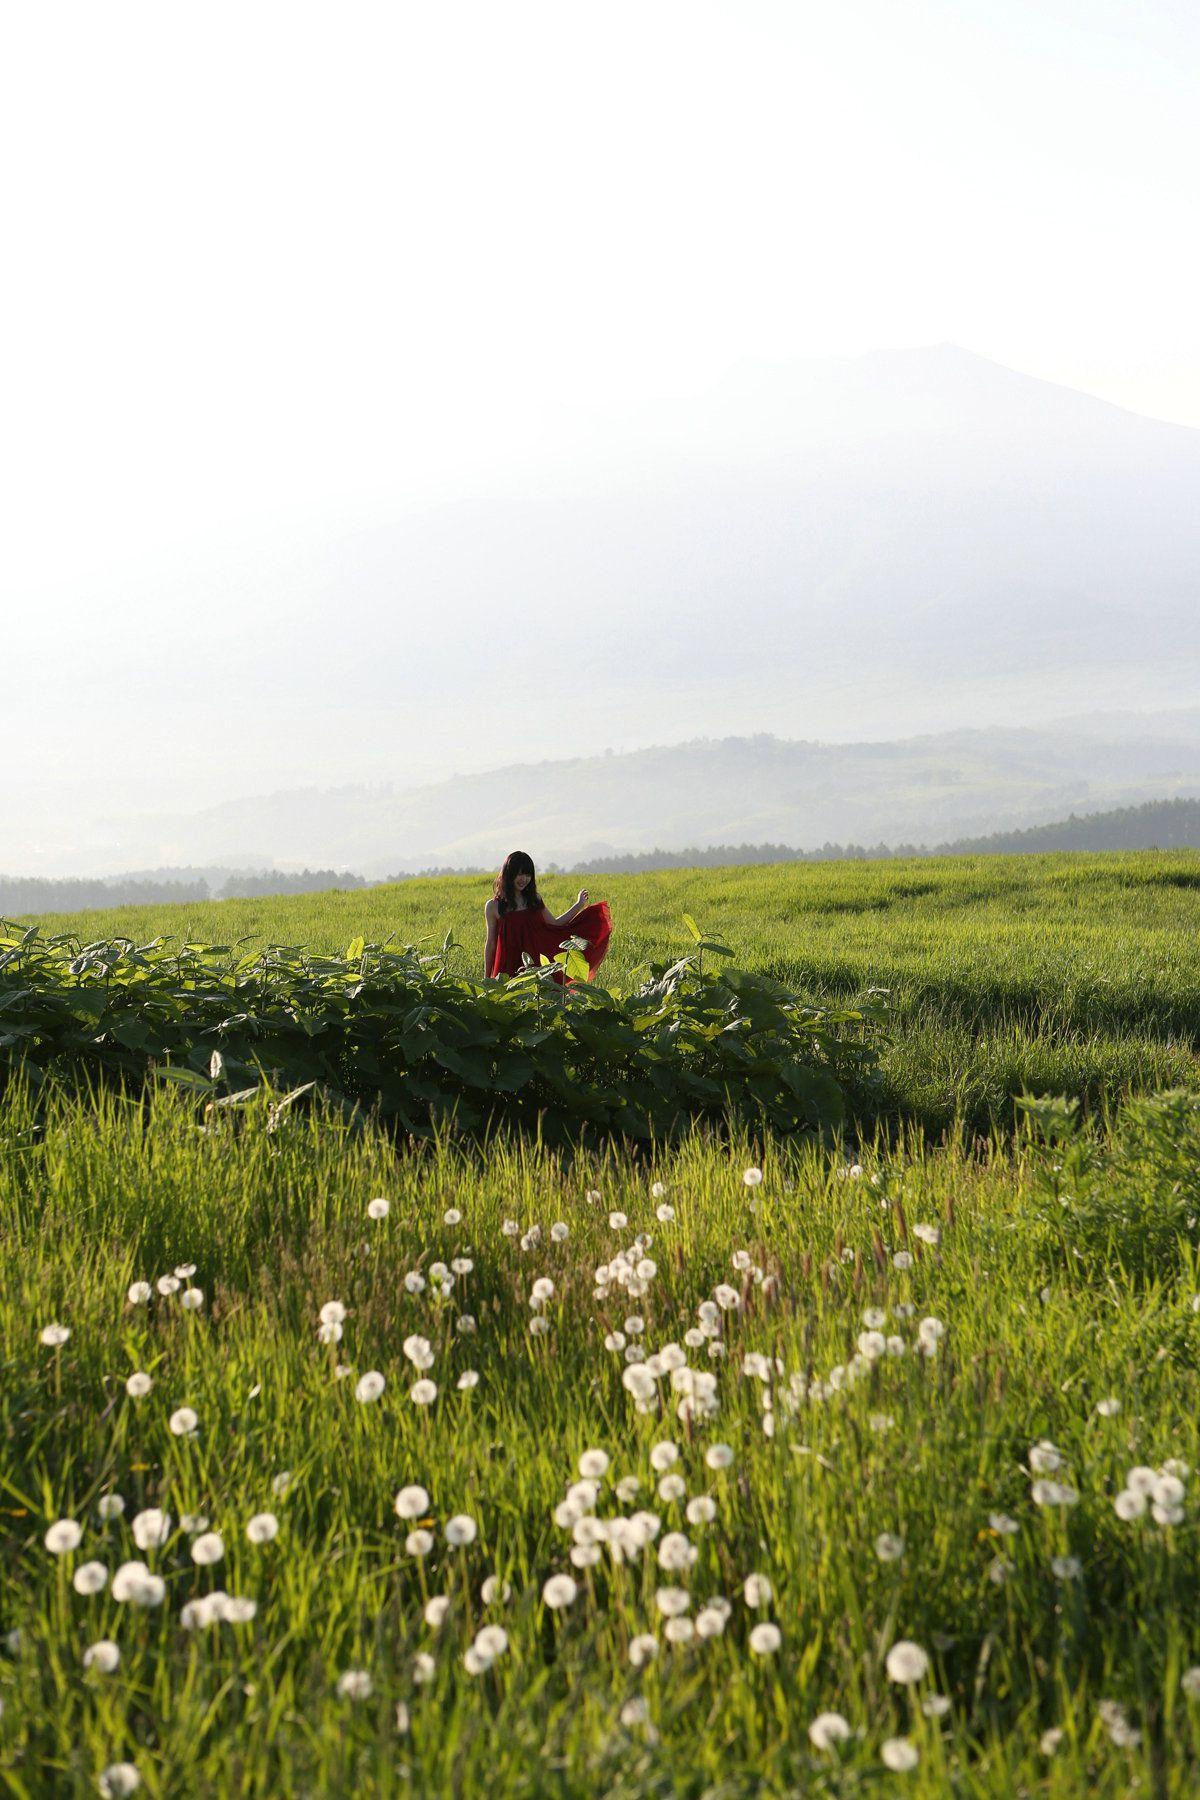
(274, 266)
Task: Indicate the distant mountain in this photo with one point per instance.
(908, 541)
(759, 789)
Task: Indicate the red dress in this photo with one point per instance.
(527, 930)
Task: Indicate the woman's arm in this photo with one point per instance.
(493, 931)
(571, 912)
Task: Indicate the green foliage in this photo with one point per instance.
(1129, 1204)
(398, 1029)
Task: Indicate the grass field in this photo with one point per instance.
(1061, 973)
(631, 1476)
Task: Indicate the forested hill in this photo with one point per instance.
(1156, 825)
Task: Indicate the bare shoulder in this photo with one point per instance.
(489, 911)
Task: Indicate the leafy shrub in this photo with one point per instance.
(397, 1029)
(1130, 1202)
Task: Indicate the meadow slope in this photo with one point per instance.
(1058, 973)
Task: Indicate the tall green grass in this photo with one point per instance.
(932, 1449)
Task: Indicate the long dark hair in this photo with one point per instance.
(505, 892)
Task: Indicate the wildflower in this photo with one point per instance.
(168, 1284)
(676, 1552)
(726, 1297)
(332, 1313)
(369, 1387)
(1053, 1493)
(436, 1610)
(193, 1523)
(828, 1729)
(494, 1590)
(421, 1393)
(103, 1656)
(192, 1299)
(467, 1380)
(414, 1282)
(207, 1549)
(452, 1216)
(135, 1584)
(889, 1547)
(718, 1456)
(872, 1345)
(541, 1291)
(419, 1351)
(183, 1422)
(461, 1530)
(1050, 1740)
(642, 1649)
(665, 1213)
(110, 1506)
(1108, 1409)
(424, 1668)
(139, 1293)
(559, 1591)
(330, 1332)
(935, 1706)
(1066, 1568)
(617, 1221)
(151, 1528)
(710, 1622)
(765, 1639)
(902, 1259)
(419, 1543)
(119, 1780)
(672, 1601)
(90, 1578)
(1003, 1525)
(752, 1177)
(559, 1232)
(701, 1510)
(63, 1536)
(281, 1483)
(54, 1335)
(657, 1190)
(593, 1463)
(899, 1754)
(403, 1720)
(635, 1712)
(138, 1385)
(510, 1228)
(412, 1501)
(907, 1663)
(1189, 1681)
(928, 1234)
(355, 1684)
(378, 1209)
(490, 1642)
(1045, 1458)
(756, 1590)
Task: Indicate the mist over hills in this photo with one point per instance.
(903, 543)
(759, 789)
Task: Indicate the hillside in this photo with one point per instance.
(903, 543)
(759, 789)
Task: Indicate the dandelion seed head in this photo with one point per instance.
(63, 1536)
(90, 1578)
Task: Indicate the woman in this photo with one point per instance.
(518, 921)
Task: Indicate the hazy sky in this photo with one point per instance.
(276, 267)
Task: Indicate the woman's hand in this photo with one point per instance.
(582, 900)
